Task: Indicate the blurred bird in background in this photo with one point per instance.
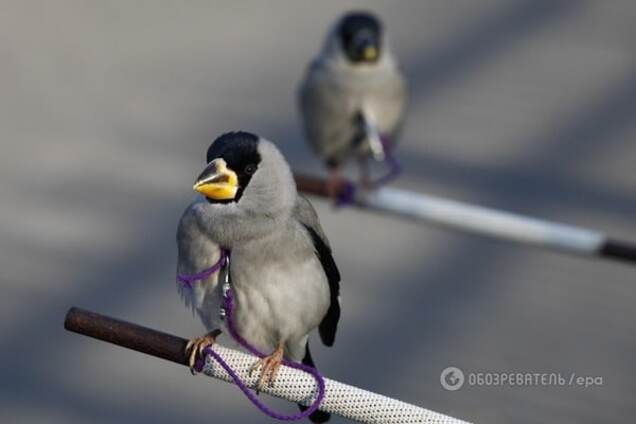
(352, 96)
(283, 277)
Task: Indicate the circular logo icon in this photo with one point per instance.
(452, 378)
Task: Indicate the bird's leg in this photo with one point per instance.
(269, 366)
(365, 175)
(334, 182)
(196, 346)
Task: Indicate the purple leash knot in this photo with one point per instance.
(347, 194)
(226, 313)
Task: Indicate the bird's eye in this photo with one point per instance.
(250, 169)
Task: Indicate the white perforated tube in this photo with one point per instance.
(340, 399)
(477, 219)
(482, 220)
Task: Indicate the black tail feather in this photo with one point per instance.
(316, 416)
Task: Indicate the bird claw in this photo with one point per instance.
(335, 184)
(196, 346)
(365, 183)
(269, 366)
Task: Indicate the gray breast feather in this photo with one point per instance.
(281, 287)
(196, 252)
(327, 109)
(331, 97)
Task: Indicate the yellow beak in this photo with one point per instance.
(217, 181)
(370, 53)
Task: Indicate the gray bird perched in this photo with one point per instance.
(284, 280)
(352, 94)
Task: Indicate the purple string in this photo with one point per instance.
(187, 280)
(228, 307)
(347, 193)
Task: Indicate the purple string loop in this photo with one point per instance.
(346, 196)
(260, 405)
(187, 280)
(228, 306)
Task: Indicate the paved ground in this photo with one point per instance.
(105, 113)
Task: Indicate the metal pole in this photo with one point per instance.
(291, 384)
(126, 334)
(481, 220)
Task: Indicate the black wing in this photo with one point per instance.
(329, 324)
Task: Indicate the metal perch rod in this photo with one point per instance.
(291, 384)
(481, 220)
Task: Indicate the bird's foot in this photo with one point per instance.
(335, 184)
(196, 346)
(269, 366)
(365, 183)
(364, 180)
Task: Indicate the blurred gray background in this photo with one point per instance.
(526, 105)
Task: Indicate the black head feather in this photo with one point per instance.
(239, 149)
(357, 31)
